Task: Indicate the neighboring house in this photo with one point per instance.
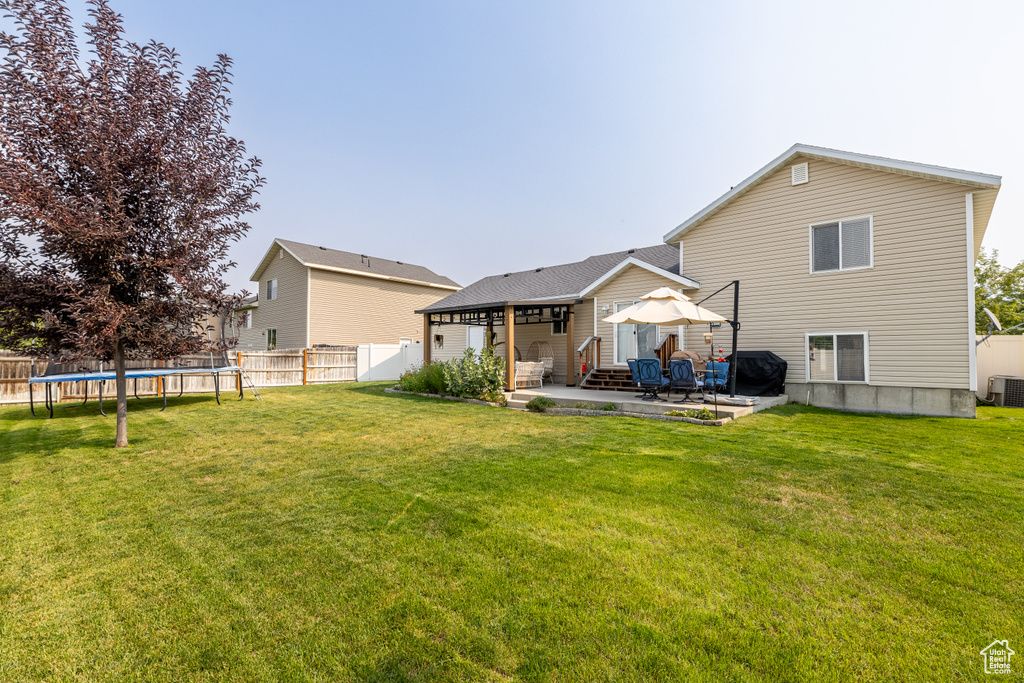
(858, 270)
(310, 295)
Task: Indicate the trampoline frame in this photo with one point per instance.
(133, 374)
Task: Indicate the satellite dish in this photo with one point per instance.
(994, 319)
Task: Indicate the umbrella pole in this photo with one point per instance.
(735, 334)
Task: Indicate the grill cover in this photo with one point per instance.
(759, 373)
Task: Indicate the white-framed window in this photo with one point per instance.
(559, 328)
(271, 290)
(842, 245)
(247, 317)
(271, 338)
(836, 356)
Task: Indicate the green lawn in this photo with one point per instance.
(336, 533)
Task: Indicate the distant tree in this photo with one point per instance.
(120, 193)
(999, 289)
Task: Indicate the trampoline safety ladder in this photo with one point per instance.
(250, 385)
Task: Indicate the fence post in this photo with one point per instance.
(238, 362)
(305, 365)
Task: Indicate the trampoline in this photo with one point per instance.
(48, 380)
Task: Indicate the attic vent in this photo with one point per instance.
(800, 174)
(280, 253)
(538, 270)
(631, 251)
(323, 248)
(506, 274)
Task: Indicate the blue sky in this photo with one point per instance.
(479, 137)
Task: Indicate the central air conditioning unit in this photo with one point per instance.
(1006, 391)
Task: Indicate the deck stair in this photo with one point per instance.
(609, 379)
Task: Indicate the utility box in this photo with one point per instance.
(1007, 391)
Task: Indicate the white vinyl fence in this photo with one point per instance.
(999, 355)
(380, 362)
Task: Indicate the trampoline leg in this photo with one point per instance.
(86, 393)
(238, 379)
(181, 385)
(49, 399)
(216, 386)
(135, 387)
(101, 399)
(31, 402)
(163, 385)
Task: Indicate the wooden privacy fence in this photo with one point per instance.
(286, 367)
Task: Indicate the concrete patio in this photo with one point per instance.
(627, 401)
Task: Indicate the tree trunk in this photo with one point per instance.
(121, 440)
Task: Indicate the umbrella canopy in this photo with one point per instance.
(664, 307)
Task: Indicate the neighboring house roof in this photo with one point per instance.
(356, 264)
(982, 181)
(249, 302)
(566, 281)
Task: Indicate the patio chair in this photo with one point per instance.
(499, 351)
(541, 352)
(529, 374)
(651, 379)
(717, 375)
(683, 379)
(635, 372)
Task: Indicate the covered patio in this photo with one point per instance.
(510, 316)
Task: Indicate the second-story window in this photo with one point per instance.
(271, 290)
(841, 245)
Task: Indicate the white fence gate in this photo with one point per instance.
(381, 362)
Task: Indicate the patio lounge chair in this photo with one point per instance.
(541, 351)
(529, 374)
(683, 379)
(651, 379)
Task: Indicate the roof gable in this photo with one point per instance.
(970, 179)
(564, 281)
(635, 263)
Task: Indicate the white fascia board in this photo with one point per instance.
(981, 180)
(378, 276)
(631, 261)
(265, 261)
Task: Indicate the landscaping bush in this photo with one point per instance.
(475, 376)
(702, 414)
(472, 376)
(426, 379)
(608, 406)
(540, 404)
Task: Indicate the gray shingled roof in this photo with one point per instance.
(567, 280)
(312, 255)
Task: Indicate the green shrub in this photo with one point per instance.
(608, 406)
(540, 404)
(475, 376)
(426, 379)
(701, 414)
(582, 405)
(471, 376)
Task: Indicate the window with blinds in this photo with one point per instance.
(837, 357)
(841, 245)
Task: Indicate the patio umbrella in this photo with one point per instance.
(664, 306)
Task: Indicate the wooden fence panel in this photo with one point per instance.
(15, 370)
(273, 368)
(327, 364)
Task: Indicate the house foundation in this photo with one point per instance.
(863, 398)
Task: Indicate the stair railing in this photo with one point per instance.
(589, 355)
(668, 346)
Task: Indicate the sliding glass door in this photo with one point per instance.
(634, 341)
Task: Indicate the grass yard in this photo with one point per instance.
(335, 533)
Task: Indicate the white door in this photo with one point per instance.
(634, 341)
(475, 337)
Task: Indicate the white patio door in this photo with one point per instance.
(634, 341)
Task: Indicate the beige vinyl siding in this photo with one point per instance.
(984, 202)
(454, 341)
(913, 301)
(286, 313)
(251, 339)
(629, 285)
(352, 309)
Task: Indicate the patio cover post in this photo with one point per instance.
(510, 348)
(570, 348)
(426, 337)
